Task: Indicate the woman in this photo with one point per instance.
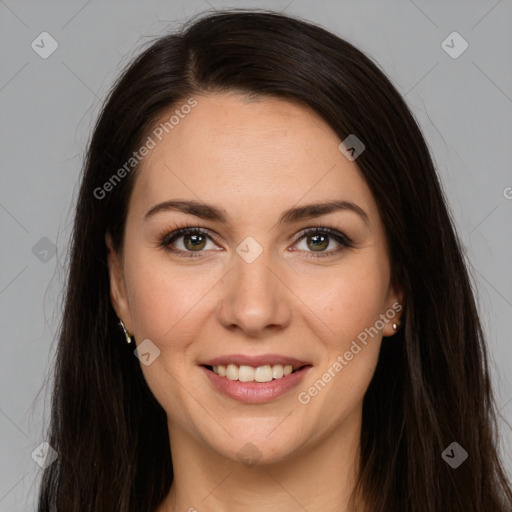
(267, 307)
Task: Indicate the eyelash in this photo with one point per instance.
(339, 237)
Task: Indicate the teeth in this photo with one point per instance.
(277, 371)
(245, 374)
(249, 374)
(231, 372)
(263, 373)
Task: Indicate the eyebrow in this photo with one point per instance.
(295, 214)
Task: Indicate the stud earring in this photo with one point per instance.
(395, 326)
(127, 336)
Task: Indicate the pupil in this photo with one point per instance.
(195, 241)
(318, 245)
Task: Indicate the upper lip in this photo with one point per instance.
(255, 361)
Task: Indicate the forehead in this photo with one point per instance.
(262, 154)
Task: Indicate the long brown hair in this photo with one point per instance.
(431, 386)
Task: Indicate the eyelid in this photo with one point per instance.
(185, 230)
(334, 233)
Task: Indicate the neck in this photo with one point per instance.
(318, 478)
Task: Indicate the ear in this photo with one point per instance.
(118, 295)
(394, 309)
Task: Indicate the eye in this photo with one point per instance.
(187, 241)
(318, 239)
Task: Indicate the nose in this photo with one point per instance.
(255, 298)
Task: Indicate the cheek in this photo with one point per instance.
(163, 297)
(342, 379)
(349, 301)
(347, 298)
(165, 303)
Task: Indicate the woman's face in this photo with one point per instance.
(250, 288)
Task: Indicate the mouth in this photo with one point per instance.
(254, 380)
(246, 373)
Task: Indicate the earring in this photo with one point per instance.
(395, 326)
(127, 336)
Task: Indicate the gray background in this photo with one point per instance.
(463, 104)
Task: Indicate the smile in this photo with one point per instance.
(244, 373)
(274, 381)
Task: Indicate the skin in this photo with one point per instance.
(255, 159)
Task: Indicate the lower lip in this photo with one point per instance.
(256, 392)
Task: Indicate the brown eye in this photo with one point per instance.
(194, 242)
(317, 240)
(187, 241)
